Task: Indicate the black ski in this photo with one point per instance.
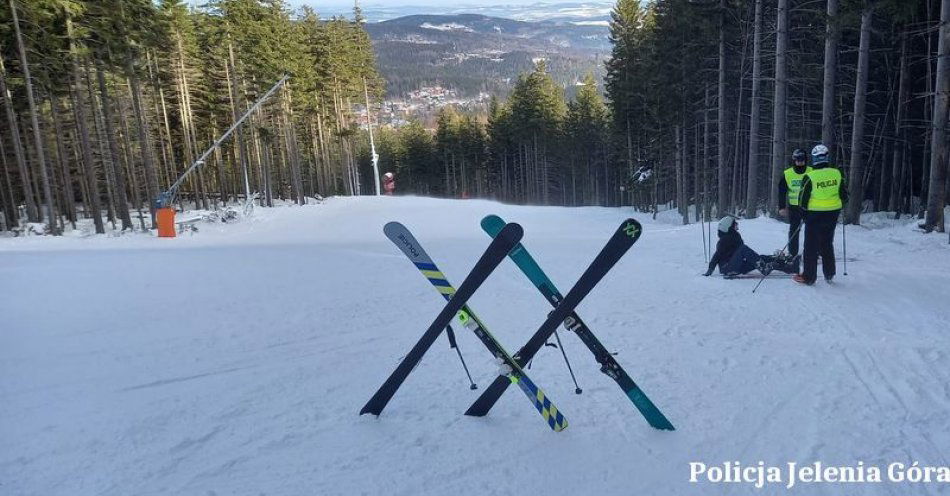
(407, 243)
(618, 244)
(494, 254)
(493, 224)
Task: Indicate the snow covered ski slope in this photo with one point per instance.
(235, 361)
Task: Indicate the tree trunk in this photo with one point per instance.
(164, 129)
(897, 172)
(697, 171)
(721, 144)
(94, 107)
(706, 157)
(34, 118)
(88, 163)
(32, 214)
(752, 188)
(128, 169)
(68, 194)
(856, 173)
(9, 204)
(828, 86)
(681, 174)
(779, 127)
(121, 190)
(734, 189)
(936, 199)
(90, 180)
(290, 142)
(266, 161)
(145, 144)
(239, 132)
(329, 172)
(184, 103)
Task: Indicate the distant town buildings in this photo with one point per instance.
(422, 105)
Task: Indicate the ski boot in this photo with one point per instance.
(794, 265)
(801, 279)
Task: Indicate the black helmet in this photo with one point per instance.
(799, 155)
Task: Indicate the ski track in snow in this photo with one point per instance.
(234, 361)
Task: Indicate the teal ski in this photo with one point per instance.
(493, 224)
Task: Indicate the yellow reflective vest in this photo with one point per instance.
(793, 181)
(825, 190)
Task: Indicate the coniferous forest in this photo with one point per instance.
(107, 101)
(243, 242)
(705, 102)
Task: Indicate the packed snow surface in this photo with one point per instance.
(234, 361)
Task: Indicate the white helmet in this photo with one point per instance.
(819, 154)
(388, 175)
(726, 223)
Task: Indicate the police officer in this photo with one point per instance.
(823, 195)
(788, 192)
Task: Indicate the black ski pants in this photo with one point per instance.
(794, 220)
(819, 241)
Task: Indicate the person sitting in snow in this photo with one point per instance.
(733, 256)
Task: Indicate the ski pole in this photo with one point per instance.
(577, 389)
(795, 233)
(702, 227)
(454, 345)
(844, 240)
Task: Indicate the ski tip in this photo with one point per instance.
(632, 228)
(657, 420)
(512, 231)
(392, 226)
(365, 411)
(492, 224)
(491, 220)
(664, 425)
(650, 412)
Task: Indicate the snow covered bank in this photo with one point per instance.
(235, 361)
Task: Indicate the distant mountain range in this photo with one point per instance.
(596, 11)
(474, 53)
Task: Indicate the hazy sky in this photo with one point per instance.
(398, 3)
(323, 4)
(404, 7)
(337, 4)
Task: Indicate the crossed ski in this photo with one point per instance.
(623, 238)
(407, 243)
(493, 225)
(493, 256)
(507, 241)
(456, 304)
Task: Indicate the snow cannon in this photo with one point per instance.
(165, 215)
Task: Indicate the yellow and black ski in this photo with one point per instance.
(402, 238)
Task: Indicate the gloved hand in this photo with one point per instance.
(708, 273)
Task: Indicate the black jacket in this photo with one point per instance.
(726, 247)
(806, 188)
(783, 189)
